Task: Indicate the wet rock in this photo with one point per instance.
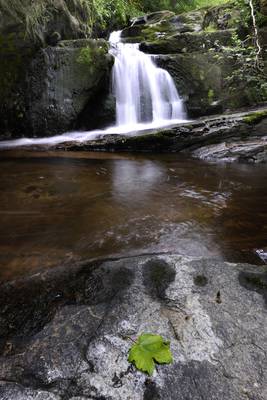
(188, 42)
(25, 27)
(62, 80)
(204, 80)
(230, 137)
(58, 83)
(250, 151)
(80, 352)
(199, 49)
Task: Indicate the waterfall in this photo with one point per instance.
(144, 93)
(146, 98)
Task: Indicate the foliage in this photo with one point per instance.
(98, 17)
(179, 5)
(94, 14)
(149, 349)
(85, 56)
(34, 15)
(246, 75)
(111, 13)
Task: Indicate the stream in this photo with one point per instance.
(59, 209)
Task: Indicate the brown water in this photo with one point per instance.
(59, 208)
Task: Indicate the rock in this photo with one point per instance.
(31, 72)
(222, 17)
(54, 87)
(77, 346)
(152, 18)
(188, 42)
(104, 111)
(35, 24)
(201, 51)
(230, 137)
(211, 82)
(62, 80)
(250, 151)
(163, 24)
(263, 7)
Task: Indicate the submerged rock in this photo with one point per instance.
(70, 336)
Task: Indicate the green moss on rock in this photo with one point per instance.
(256, 117)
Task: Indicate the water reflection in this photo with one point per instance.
(62, 209)
(133, 181)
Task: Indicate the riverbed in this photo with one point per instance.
(60, 208)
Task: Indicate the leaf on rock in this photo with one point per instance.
(149, 349)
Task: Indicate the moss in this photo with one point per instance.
(255, 117)
(211, 28)
(152, 137)
(211, 95)
(92, 57)
(85, 56)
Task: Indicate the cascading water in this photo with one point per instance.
(146, 97)
(144, 93)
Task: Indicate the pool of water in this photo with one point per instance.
(59, 208)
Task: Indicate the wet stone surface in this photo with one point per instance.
(79, 348)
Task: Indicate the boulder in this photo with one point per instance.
(39, 22)
(188, 42)
(70, 336)
(43, 86)
(211, 82)
(53, 86)
(62, 80)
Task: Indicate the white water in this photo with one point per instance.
(143, 92)
(146, 98)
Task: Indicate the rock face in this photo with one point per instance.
(43, 22)
(47, 76)
(62, 80)
(69, 338)
(202, 50)
(57, 85)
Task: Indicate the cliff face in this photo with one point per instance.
(48, 72)
(208, 55)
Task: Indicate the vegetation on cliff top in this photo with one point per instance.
(179, 5)
(95, 16)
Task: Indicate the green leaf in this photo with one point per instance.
(148, 349)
